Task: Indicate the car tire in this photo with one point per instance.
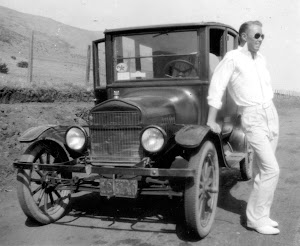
(201, 193)
(39, 199)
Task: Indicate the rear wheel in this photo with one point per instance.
(201, 194)
(38, 197)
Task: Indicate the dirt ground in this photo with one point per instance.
(16, 118)
(146, 221)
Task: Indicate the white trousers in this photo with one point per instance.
(260, 124)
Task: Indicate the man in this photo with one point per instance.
(244, 72)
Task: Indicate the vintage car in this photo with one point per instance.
(147, 133)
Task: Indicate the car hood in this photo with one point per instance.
(178, 105)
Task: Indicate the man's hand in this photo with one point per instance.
(214, 126)
(211, 120)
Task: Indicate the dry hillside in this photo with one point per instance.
(59, 50)
(52, 38)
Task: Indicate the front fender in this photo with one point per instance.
(191, 136)
(33, 133)
(54, 133)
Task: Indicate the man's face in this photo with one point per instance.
(254, 38)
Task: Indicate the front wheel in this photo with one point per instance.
(38, 196)
(201, 194)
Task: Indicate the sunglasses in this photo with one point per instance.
(258, 35)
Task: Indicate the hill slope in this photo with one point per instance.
(51, 38)
(59, 51)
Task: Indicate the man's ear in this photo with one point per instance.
(244, 37)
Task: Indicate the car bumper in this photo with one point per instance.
(82, 168)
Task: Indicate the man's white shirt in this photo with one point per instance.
(248, 79)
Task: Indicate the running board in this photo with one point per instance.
(234, 158)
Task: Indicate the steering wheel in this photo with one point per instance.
(182, 68)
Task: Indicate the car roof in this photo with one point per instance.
(167, 26)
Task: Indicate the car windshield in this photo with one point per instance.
(156, 55)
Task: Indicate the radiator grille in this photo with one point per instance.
(115, 137)
(115, 118)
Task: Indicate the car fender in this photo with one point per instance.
(53, 133)
(33, 133)
(191, 136)
(238, 140)
(50, 142)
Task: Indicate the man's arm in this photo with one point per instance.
(217, 87)
(211, 120)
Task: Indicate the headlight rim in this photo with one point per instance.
(164, 134)
(84, 146)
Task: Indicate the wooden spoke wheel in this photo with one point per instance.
(38, 196)
(201, 194)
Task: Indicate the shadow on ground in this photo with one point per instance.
(228, 179)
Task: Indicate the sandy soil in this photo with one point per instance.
(147, 221)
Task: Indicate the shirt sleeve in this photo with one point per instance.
(219, 81)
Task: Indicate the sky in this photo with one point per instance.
(280, 19)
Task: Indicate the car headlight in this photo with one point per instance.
(153, 139)
(76, 138)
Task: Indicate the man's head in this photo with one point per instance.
(250, 32)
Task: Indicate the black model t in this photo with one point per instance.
(147, 133)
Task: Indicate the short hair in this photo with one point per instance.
(244, 27)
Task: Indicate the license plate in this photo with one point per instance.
(118, 187)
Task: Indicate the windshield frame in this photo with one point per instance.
(155, 33)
